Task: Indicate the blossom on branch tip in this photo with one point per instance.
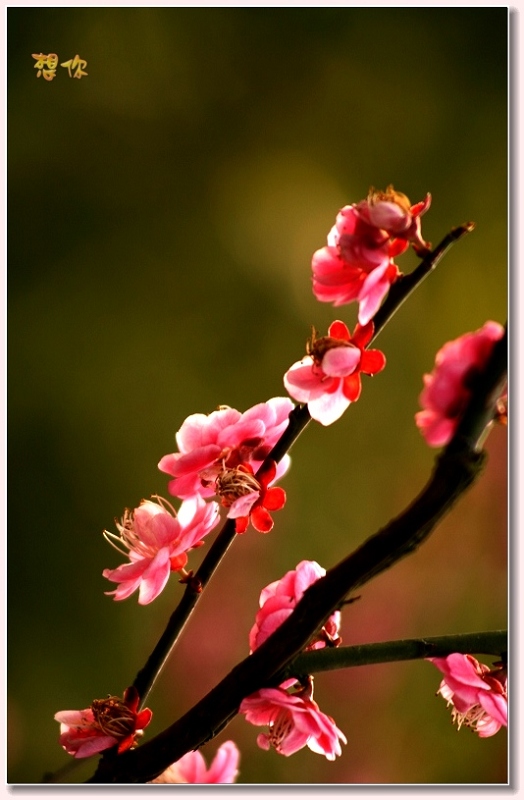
(278, 600)
(224, 439)
(104, 724)
(250, 498)
(357, 264)
(156, 539)
(448, 389)
(191, 768)
(477, 693)
(328, 378)
(295, 721)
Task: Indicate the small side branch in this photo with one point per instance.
(493, 643)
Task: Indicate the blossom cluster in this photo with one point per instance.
(356, 266)
(218, 455)
(357, 263)
(293, 718)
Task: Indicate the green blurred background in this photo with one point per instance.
(163, 212)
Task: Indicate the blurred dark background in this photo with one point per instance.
(163, 211)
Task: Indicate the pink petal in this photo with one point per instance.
(294, 741)
(327, 408)
(496, 706)
(303, 382)
(243, 429)
(389, 215)
(155, 577)
(224, 767)
(192, 767)
(95, 745)
(241, 507)
(75, 718)
(306, 573)
(192, 433)
(436, 431)
(373, 291)
(341, 361)
(193, 461)
(199, 430)
(268, 625)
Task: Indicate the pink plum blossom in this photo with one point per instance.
(328, 378)
(156, 540)
(447, 390)
(104, 724)
(295, 721)
(250, 498)
(278, 600)
(477, 693)
(357, 264)
(210, 444)
(191, 768)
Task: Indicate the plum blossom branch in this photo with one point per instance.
(299, 418)
(486, 642)
(458, 466)
(404, 286)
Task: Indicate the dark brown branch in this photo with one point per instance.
(456, 469)
(264, 667)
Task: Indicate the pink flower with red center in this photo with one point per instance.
(477, 693)
(104, 724)
(294, 720)
(250, 498)
(447, 390)
(328, 378)
(156, 540)
(192, 768)
(357, 264)
(222, 440)
(278, 600)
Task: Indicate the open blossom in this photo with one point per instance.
(447, 390)
(294, 720)
(156, 540)
(477, 693)
(104, 724)
(328, 378)
(357, 264)
(278, 600)
(191, 768)
(210, 444)
(250, 498)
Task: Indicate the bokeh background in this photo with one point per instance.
(163, 212)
